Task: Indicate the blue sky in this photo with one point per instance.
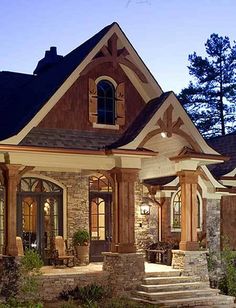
(164, 32)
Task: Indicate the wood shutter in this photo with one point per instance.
(120, 104)
(92, 101)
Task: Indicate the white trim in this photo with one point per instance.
(106, 126)
(64, 196)
(108, 78)
(171, 211)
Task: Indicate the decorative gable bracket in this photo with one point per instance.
(115, 56)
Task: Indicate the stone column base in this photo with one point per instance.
(126, 271)
(192, 263)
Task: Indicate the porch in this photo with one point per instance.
(54, 280)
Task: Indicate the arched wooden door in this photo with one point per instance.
(100, 217)
(39, 214)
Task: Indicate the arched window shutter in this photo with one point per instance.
(92, 101)
(120, 104)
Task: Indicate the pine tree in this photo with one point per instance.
(210, 98)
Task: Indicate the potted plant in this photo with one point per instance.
(80, 241)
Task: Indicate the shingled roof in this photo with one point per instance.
(140, 121)
(226, 145)
(32, 92)
(69, 139)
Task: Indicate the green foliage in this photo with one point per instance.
(228, 282)
(30, 272)
(88, 295)
(13, 303)
(31, 261)
(94, 296)
(80, 237)
(21, 284)
(211, 95)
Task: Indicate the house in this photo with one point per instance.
(88, 137)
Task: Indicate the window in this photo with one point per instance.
(2, 219)
(176, 211)
(105, 102)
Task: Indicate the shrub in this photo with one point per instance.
(10, 278)
(228, 282)
(89, 294)
(81, 238)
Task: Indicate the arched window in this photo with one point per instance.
(105, 103)
(176, 211)
(2, 219)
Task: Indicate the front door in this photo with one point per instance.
(39, 215)
(100, 224)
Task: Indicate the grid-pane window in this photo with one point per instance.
(176, 211)
(98, 218)
(37, 185)
(51, 226)
(105, 102)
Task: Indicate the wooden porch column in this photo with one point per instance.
(188, 182)
(11, 173)
(123, 238)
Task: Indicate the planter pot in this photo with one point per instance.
(82, 253)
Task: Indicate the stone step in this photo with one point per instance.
(176, 295)
(170, 273)
(219, 301)
(173, 286)
(170, 280)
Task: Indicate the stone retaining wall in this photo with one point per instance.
(52, 285)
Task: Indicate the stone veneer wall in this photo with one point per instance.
(146, 226)
(213, 238)
(77, 199)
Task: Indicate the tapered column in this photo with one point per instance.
(11, 173)
(123, 238)
(188, 182)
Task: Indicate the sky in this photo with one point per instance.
(163, 32)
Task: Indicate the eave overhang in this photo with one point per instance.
(201, 158)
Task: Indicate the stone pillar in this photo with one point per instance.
(213, 226)
(192, 263)
(11, 173)
(125, 271)
(188, 182)
(123, 237)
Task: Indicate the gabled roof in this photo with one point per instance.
(226, 145)
(140, 121)
(20, 106)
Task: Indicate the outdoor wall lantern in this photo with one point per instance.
(145, 207)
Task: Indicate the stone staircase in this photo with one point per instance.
(171, 289)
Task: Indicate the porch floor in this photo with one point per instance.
(97, 267)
